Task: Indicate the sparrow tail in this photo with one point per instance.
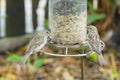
(24, 59)
(101, 60)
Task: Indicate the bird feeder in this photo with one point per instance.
(68, 29)
(68, 21)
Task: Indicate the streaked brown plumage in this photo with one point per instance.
(37, 42)
(95, 43)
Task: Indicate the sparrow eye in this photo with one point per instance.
(90, 28)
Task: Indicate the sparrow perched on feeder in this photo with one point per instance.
(38, 42)
(95, 43)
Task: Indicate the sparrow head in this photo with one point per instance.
(91, 27)
(47, 32)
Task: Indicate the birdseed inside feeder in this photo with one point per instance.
(68, 21)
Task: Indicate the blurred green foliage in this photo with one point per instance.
(13, 57)
(46, 24)
(115, 74)
(39, 62)
(90, 6)
(95, 16)
(93, 57)
(2, 78)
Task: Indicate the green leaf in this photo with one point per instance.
(90, 6)
(46, 23)
(39, 62)
(115, 74)
(95, 16)
(93, 57)
(14, 58)
(2, 78)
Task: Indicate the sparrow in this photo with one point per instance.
(95, 43)
(37, 42)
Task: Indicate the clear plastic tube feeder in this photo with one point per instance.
(68, 21)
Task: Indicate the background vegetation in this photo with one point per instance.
(106, 17)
